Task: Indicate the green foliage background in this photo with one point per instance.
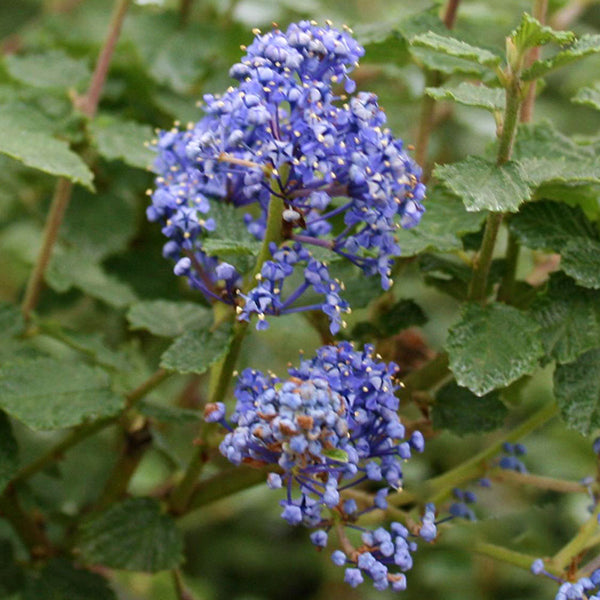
(112, 312)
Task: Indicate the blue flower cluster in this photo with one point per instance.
(585, 588)
(288, 131)
(331, 425)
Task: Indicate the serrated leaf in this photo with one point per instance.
(577, 391)
(429, 21)
(446, 64)
(531, 33)
(580, 259)
(52, 69)
(550, 225)
(168, 414)
(547, 156)
(229, 224)
(61, 580)
(456, 48)
(39, 149)
(445, 221)
(589, 96)
(71, 268)
(584, 46)
(470, 94)
(133, 535)
(569, 319)
(231, 240)
(492, 346)
(9, 452)
(45, 393)
(167, 318)
(123, 139)
(483, 185)
(195, 351)
(459, 410)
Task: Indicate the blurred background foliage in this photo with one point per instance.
(109, 257)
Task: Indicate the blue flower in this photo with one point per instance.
(510, 461)
(585, 588)
(346, 182)
(331, 425)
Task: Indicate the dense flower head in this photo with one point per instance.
(285, 130)
(330, 425)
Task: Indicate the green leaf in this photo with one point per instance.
(429, 21)
(492, 346)
(38, 148)
(336, 454)
(133, 535)
(231, 240)
(45, 393)
(99, 225)
(569, 319)
(168, 414)
(61, 580)
(177, 57)
(71, 268)
(531, 33)
(446, 274)
(11, 320)
(90, 344)
(584, 196)
(122, 139)
(382, 44)
(230, 248)
(359, 292)
(195, 351)
(584, 46)
(52, 69)
(581, 260)
(456, 48)
(483, 185)
(577, 391)
(445, 221)
(401, 315)
(167, 318)
(459, 410)
(9, 453)
(470, 94)
(546, 155)
(550, 225)
(589, 96)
